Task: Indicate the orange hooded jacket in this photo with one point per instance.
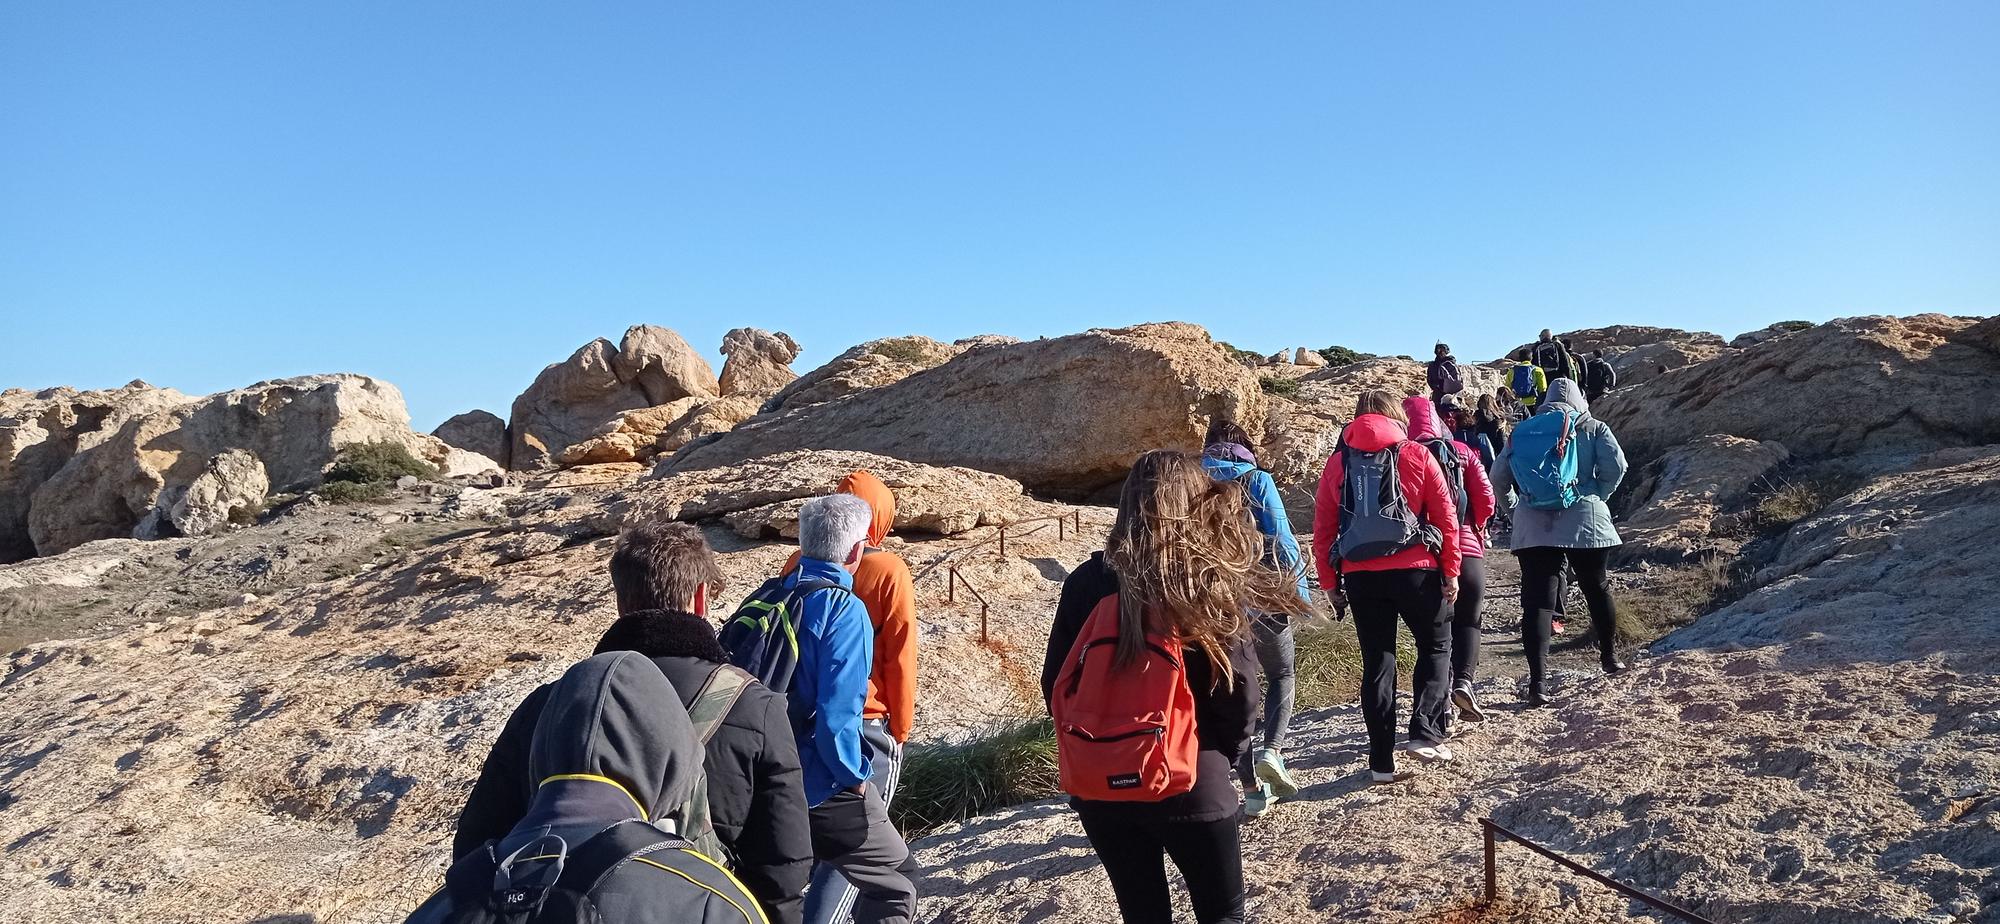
(882, 581)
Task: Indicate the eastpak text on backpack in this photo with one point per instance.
(1376, 521)
(1124, 733)
(762, 637)
(1544, 464)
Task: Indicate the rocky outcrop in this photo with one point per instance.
(476, 431)
(1618, 338)
(759, 363)
(1642, 364)
(648, 432)
(1873, 385)
(40, 431)
(572, 400)
(1308, 358)
(1065, 415)
(1675, 501)
(1771, 332)
(870, 365)
(234, 481)
(292, 427)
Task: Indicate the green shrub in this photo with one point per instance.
(1279, 386)
(351, 492)
(946, 783)
(906, 350)
(1240, 354)
(1342, 356)
(366, 463)
(1790, 326)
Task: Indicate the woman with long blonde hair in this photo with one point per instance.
(1187, 562)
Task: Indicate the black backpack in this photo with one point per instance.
(763, 635)
(1599, 377)
(1553, 359)
(1375, 519)
(547, 882)
(1454, 475)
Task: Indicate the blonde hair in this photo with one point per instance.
(1377, 401)
(1190, 561)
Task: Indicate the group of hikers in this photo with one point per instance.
(686, 773)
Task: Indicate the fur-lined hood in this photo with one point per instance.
(664, 634)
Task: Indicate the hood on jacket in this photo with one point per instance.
(1565, 391)
(664, 634)
(880, 499)
(1230, 452)
(1373, 433)
(1424, 423)
(613, 721)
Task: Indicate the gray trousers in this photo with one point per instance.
(1277, 656)
(875, 882)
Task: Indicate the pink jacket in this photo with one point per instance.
(1424, 425)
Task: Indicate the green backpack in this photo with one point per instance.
(692, 821)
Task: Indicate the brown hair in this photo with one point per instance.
(1377, 401)
(1190, 561)
(1224, 430)
(658, 564)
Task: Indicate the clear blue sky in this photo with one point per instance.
(451, 195)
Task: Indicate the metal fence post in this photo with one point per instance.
(1492, 883)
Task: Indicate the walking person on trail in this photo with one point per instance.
(664, 575)
(1598, 377)
(1565, 464)
(1472, 498)
(1386, 539)
(1575, 360)
(1549, 355)
(1228, 458)
(1463, 426)
(1529, 383)
(882, 581)
(835, 651)
(1443, 374)
(609, 749)
(1151, 681)
(1492, 419)
(1508, 407)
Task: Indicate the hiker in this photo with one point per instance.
(1549, 355)
(1563, 516)
(1155, 626)
(1463, 426)
(882, 581)
(1508, 405)
(1385, 539)
(1491, 418)
(664, 575)
(1472, 498)
(1598, 377)
(1529, 384)
(1574, 369)
(610, 747)
(1228, 458)
(1442, 373)
(851, 831)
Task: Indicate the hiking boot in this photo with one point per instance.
(1272, 773)
(1430, 752)
(1614, 666)
(1467, 703)
(1537, 699)
(1257, 801)
(1379, 778)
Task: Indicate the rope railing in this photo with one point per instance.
(1066, 523)
(1494, 832)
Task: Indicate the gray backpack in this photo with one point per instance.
(1375, 519)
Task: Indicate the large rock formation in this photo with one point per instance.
(869, 365)
(572, 400)
(1675, 500)
(292, 428)
(1066, 415)
(760, 362)
(648, 432)
(39, 433)
(476, 431)
(1873, 385)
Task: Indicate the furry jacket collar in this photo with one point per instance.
(663, 634)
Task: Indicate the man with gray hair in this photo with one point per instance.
(850, 821)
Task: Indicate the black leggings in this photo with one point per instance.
(1466, 620)
(1541, 582)
(1134, 850)
(1379, 598)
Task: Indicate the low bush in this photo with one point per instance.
(946, 783)
(1240, 354)
(1279, 386)
(905, 350)
(366, 463)
(1342, 356)
(352, 492)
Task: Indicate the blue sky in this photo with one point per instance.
(452, 195)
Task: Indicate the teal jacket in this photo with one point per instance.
(1230, 462)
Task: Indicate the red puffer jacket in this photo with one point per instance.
(1423, 486)
(1425, 425)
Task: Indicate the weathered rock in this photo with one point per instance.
(1874, 385)
(870, 365)
(1771, 332)
(235, 480)
(1308, 358)
(39, 433)
(1642, 364)
(1675, 500)
(292, 426)
(476, 431)
(760, 362)
(571, 401)
(1618, 338)
(1066, 415)
(629, 437)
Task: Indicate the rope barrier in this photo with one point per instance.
(1494, 832)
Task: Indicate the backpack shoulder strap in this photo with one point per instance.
(719, 694)
(594, 859)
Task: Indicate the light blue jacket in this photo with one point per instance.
(1600, 466)
(1281, 548)
(830, 687)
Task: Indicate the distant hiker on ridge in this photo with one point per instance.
(1598, 377)
(1442, 374)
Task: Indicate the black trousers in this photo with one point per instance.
(1134, 851)
(1541, 585)
(1417, 597)
(1467, 620)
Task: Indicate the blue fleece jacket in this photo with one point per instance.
(836, 650)
(1281, 548)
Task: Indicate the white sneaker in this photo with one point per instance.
(1430, 752)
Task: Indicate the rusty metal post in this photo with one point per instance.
(1003, 540)
(982, 623)
(1061, 531)
(1492, 883)
(951, 584)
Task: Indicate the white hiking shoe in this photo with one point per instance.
(1271, 771)
(1430, 752)
(1467, 703)
(1258, 801)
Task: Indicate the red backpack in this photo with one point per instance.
(1124, 734)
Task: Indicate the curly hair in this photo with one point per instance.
(1189, 560)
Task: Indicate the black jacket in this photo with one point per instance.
(1225, 719)
(755, 788)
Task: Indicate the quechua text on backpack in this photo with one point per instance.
(1376, 520)
(1124, 732)
(1544, 463)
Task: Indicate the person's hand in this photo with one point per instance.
(1450, 591)
(1339, 601)
(861, 789)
